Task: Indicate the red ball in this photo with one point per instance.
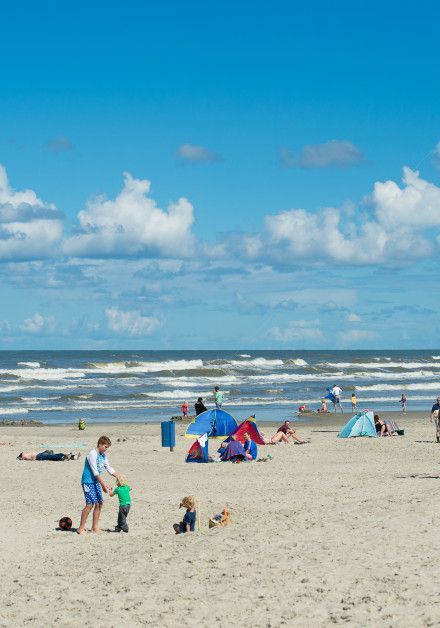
(65, 523)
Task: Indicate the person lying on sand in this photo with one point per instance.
(46, 455)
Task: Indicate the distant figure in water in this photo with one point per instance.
(403, 401)
(199, 406)
(336, 392)
(218, 397)
(353, 402)
(185, 408)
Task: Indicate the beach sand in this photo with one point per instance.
(336, 531)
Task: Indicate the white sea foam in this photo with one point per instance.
(176, 394)
(403, 387)
(43, 374)
(435, 357)
(201, 381)
(144, 367)
(375, 365)
(298, 362)
(33, 365)
(13, 410)
(244, 355)
(257, 363)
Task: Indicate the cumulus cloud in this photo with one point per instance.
(395, 230)
(38, 324)
(353, 318)
(130, 323)
(416, 205)
(133, 225)
(192, 154)
(335, 153)
(60, 144)
(29, 228)
(297, 330)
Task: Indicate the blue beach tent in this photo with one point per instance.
(362, 424)
(215, 423)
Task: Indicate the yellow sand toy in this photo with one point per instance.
(220, 520)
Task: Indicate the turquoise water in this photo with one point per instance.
(61, 386)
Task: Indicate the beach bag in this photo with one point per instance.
(82, 424)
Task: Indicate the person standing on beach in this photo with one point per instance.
(336, 392)
(218, 397)
(353, 402)
(92, 483)
(185, 408)
(403, 401)
(435, 418)
(199, 406)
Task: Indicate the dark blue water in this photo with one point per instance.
(61, 386)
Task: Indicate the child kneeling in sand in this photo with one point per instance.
(122, 490)
(189, 520)
(93, 484)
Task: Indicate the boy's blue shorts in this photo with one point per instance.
(93, 493)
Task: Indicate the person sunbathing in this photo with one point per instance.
(279, 437)
(290, 432)
(47, 455)
(382, 429)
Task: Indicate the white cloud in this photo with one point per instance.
(354, 336)
(29, 228)
(395, 232)
(38, 324)
(131, 323)
(353, 318)
(297, 330)
(338, 153)
(132, 225)
(191, 153)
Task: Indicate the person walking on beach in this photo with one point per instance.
(336, 392)
(218, 397)
(185, 408)
(92, 483)
(435, 418)
(403, 401)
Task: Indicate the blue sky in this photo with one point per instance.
(205, 175)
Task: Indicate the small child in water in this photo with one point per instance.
(353, 402)
(188, 524)
(122, 490)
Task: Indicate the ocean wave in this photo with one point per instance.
(175, 394)
(26, 387)
(256, 363)
(401, 387)
(42, 374)
(244, 355)
(297, 362)
(13, 411)
(33, 365)
(224, 380)
(144, 367)
(435, 357)
(375, 365)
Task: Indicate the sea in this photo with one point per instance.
(150, 386)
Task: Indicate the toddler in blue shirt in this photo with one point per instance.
(188, 524)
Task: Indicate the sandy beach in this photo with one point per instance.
(336, 531)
